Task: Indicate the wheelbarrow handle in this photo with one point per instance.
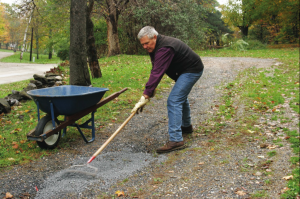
(111, 138)
(123, 90)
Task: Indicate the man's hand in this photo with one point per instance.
(140, 105)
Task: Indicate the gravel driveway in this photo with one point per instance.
(129, 163)
(14, 72)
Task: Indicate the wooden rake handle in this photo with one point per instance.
(111, 138)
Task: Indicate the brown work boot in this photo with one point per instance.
(171, 146)
(187, 130)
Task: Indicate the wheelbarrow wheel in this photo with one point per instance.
(44, 125)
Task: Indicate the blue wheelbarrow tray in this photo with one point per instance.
(66, 100)
(74, 102)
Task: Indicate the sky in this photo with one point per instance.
(8, 1)
(220, 1)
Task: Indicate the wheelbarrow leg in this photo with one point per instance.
(38, 110)
(65, 129)
(52, 114)
(86, 125)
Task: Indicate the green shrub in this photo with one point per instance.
(240, 45)
(63, 54)
(255, 45)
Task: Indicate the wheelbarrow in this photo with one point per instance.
(73, 102)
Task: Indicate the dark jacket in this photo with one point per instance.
(185, 59)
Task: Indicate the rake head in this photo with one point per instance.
(83, 173)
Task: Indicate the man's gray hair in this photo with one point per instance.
(147, 31)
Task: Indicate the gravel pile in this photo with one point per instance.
(130, 164)
(112, 166)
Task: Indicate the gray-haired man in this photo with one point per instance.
(172, 57)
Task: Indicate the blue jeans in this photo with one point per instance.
(178, 105)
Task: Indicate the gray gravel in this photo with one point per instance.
(130, 164)
(112, 166)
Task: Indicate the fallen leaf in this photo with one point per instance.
(11, 159)
(241, 193)
(16, 130)
(15, 146)
(288, 177)
(25, 194)
(263, 146)
(201, 163)
(272, 146)
(8, 195)
(261, 156)
(251, 131)
(119, 193)
(0, 136)
(22, 141)
(285, 189)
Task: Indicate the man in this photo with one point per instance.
(173, 57)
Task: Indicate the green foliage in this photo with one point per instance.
(293, 185)
(243, 45)
(63, 54)
(239, 13)
(255, 45)
(274, 21)
(240, 45)
(260, 194)
(216, 27)
(100, 34)
(180, 19)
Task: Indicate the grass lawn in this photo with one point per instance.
(43, 59)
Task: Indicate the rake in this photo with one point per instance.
(93, 174)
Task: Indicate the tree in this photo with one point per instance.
(26, 10)
(216, 27)
(281, 19)
(181, 19)
(90, 40)
(79, 74)
(4, 24)
(111, 10)
(239, 13)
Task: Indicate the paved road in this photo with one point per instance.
(14, 72)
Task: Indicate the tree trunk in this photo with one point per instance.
(244, 30)
(31, 43)
(50, 49)
(112, 30)
(24, 40)
(79, 73)
(37, 45)
(90, 41)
